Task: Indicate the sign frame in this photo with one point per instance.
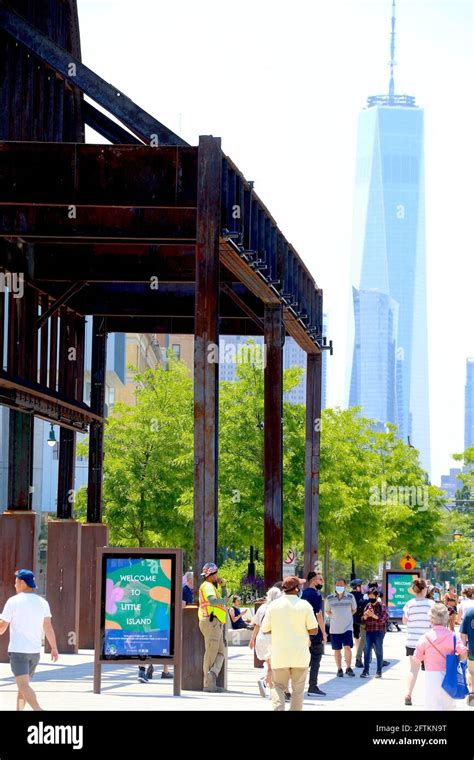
(386, 576)
(176, 626)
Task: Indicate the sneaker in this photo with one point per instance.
(141, 675)
(261, 687)
(287, 696)
(212, 681)
(350, 672)
(359, 664)
(315, 691)
(166, 675)
(408, 701)
(340, 673)
(378, 674)
(364, 674)
(385, 663)
(149, 672)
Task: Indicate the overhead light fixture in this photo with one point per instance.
(52, 438)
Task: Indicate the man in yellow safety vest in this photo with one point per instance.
(212, 617)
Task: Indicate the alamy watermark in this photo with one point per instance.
(229, 353)
(14, 282)
(410, 496)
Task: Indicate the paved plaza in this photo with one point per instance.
(67, 685)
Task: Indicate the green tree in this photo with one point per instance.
(148, 461)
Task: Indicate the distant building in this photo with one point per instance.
(450, 483)
(469, 405)
(390, 362)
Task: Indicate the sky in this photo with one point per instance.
(283, 84)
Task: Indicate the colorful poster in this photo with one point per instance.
(399, 592)
(137, 607)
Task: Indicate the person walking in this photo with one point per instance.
(416, 617)
(340, 608)
(312, 594)
(467, 636)
(466, 603)
(291, 622)
(432, 649)
(212, 615)
(358, 623)
(375, 619)
(27, 615)
(262, 642)
(451, 602)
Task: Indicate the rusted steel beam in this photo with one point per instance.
(71, 69)
(179, 325)
(114, 262)
(273, 445)
(96, 433)
(66, 472)
(20, 460)
(53, 353)
(241, 304)
(71, 291)
(243, 273)
(44, 333)
(206, 335)
(97, 175)
(104, 126)
(90, 223)
(312, 458)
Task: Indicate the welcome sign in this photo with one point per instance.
(139, 609)
(398, 592)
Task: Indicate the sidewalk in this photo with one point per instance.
(67, 685)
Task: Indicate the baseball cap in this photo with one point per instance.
(290, 583)
(27, 576)
(356, 582)
(209, 569)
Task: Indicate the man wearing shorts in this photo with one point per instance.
(27, 614)
(340, 608)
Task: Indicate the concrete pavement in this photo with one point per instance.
(67, 685)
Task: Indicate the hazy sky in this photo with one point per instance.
(282, 84)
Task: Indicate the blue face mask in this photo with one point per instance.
(340, 589)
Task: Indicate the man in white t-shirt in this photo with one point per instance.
(27, 614)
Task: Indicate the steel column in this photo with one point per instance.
(205, 365)
(96, 430)
(273, 444)
(313, 439)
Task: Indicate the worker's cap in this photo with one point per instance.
(209, 569)
(27, 576)
(356, 582)
(290, 583)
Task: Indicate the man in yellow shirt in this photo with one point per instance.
(212, 618)
(291, 622)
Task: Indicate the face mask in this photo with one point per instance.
(339, 589)
(319, 586)
(436, 597)
(372, 601)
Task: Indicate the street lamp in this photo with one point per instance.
(52, 438)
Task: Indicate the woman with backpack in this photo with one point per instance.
(432, 649)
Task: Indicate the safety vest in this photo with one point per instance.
(206, 590)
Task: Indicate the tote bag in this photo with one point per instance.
(455, 682)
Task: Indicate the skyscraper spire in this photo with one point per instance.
(391, 87)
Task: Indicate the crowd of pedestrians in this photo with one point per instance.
(289, 632)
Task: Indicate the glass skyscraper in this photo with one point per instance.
(390, 359)
(469, 405)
